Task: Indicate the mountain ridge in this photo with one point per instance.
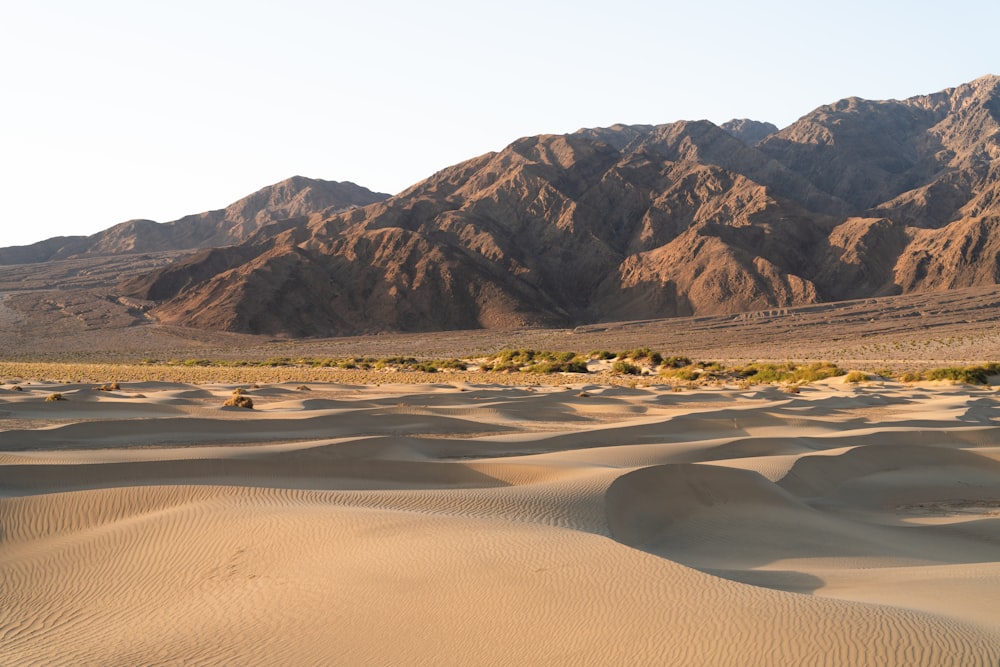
(296, 196)
(857, 198)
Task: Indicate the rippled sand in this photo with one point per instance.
(476, 524)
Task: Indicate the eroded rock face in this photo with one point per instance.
(856, 199)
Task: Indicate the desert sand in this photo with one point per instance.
(458, 524)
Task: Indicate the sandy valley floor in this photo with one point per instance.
(474, 524)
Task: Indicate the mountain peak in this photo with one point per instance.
(293, 197)
(749, 131)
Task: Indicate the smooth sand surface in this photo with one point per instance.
(459, 524)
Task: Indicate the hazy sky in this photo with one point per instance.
(147, 109)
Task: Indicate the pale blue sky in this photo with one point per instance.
(113, 110)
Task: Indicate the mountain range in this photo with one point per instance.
(856, 199)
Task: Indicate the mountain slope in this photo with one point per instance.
(858, 198)
(294, 197)
(551, 230)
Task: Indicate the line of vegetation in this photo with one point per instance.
(508, 366)
(965, 374)
(345, 363)
(788, 372)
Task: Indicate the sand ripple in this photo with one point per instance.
(497, 525)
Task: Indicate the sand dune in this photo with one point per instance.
(465, 524)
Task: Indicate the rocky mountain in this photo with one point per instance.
(858, 198)
(292, 198)
(749, 131)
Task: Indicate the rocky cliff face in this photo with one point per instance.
(858, 198)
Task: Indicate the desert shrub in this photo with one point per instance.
(624, 367)
(856, 377)
(570, 366)
(676, 362)
(965, 374)
(640, 353)
(520, 357)
(303, 387)
(239, 401)
(239, 391)
(54, 397)
(910, 376)
(111, 386)
(399, 362)
(758, 373)
(816, 371)
(765, 373)
(544, 367)
(602, 355)
(508, 360)
(710, 371)
(501, 366)
(451, 364)
(687, 373)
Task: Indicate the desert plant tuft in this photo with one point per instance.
(685, 373)
(625, 368)
(677, 361)
(759, 373)
(856, 377)
(54, 397)
(966, 375)
(239, 401)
